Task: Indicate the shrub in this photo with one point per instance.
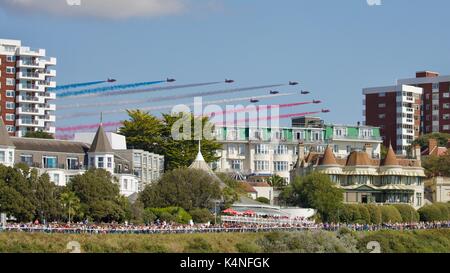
(263, 200)
(445, 211)
(198, 245)
(429, 213)
(201, 216)
(171, 214)
(375, 214)
(148, 216)
(408, 213)
(390, 214)
(364, 214)
(248, 247)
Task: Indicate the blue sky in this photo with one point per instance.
(334, 48)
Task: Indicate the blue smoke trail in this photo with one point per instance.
(105, 89)
(163, 107)
(166, 98)
(76, 85)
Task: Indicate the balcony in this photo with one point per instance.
(26, 51)
(29, 123)
(30, 76)
(50, 73)
(49, 84)
(30, 87)
(30, 111)
(50, 107)
(48, 62)
(50, 118)
(29, 99)
(51, 130)
(48, 95)
(30, 64)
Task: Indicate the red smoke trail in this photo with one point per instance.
(118, 124)
(258, 108)
(269, 118)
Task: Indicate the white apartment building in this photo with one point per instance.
(26, 83)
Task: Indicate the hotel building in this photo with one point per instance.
(274, 151)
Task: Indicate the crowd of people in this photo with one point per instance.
(164, 227)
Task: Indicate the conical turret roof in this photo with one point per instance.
(101, 143)
(391, 158)
(328, 158)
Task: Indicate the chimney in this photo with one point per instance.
(417, 152)
(369, 149)
(432, 146)
(301, 151)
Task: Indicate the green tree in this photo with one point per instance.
(375, 214)
(430, 213)
(442, 139)
(99, 196)
(201, 216)
(315, 191)
(263, 200)
(390, 214)
(437, 165)
(277, 182)
(408, 213)
(39, 134)
(185, 188)
(149, 133)
(71, 205)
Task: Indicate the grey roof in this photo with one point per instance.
(101, 143)
(49, 145)
(5, 140)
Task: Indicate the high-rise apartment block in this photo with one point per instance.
(26, 84)
(397, 111)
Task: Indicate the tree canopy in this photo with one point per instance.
(183, 187)
(145, 131)
(315, 191)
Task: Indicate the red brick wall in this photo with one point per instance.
(4, 88)
(389, 123)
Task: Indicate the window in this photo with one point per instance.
(125, 184)
(418, 199)
(10, 82)
(10, 93)
(280, 166)
(446, 117)
(446, 127)
(261, 165)
(349, 149)
(109, 162)
(27, 159)
(137, 159)
(92, 162)
(10, 128)
(72, 163)
(232, 149)
(382, 105)
(10, 70)
(236, 164)
(435, 86)
(281, 150)
(382, 116)
(101, 162)
(10, 58)
(336, 148)
(262, 149)
(10, 117)
(50, 162)
(2, 156)
(446, 95)
(242, 149)
(446, 105)
(383, 94)
(10, 105)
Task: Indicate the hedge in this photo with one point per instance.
(390, 214)
(408, 213)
